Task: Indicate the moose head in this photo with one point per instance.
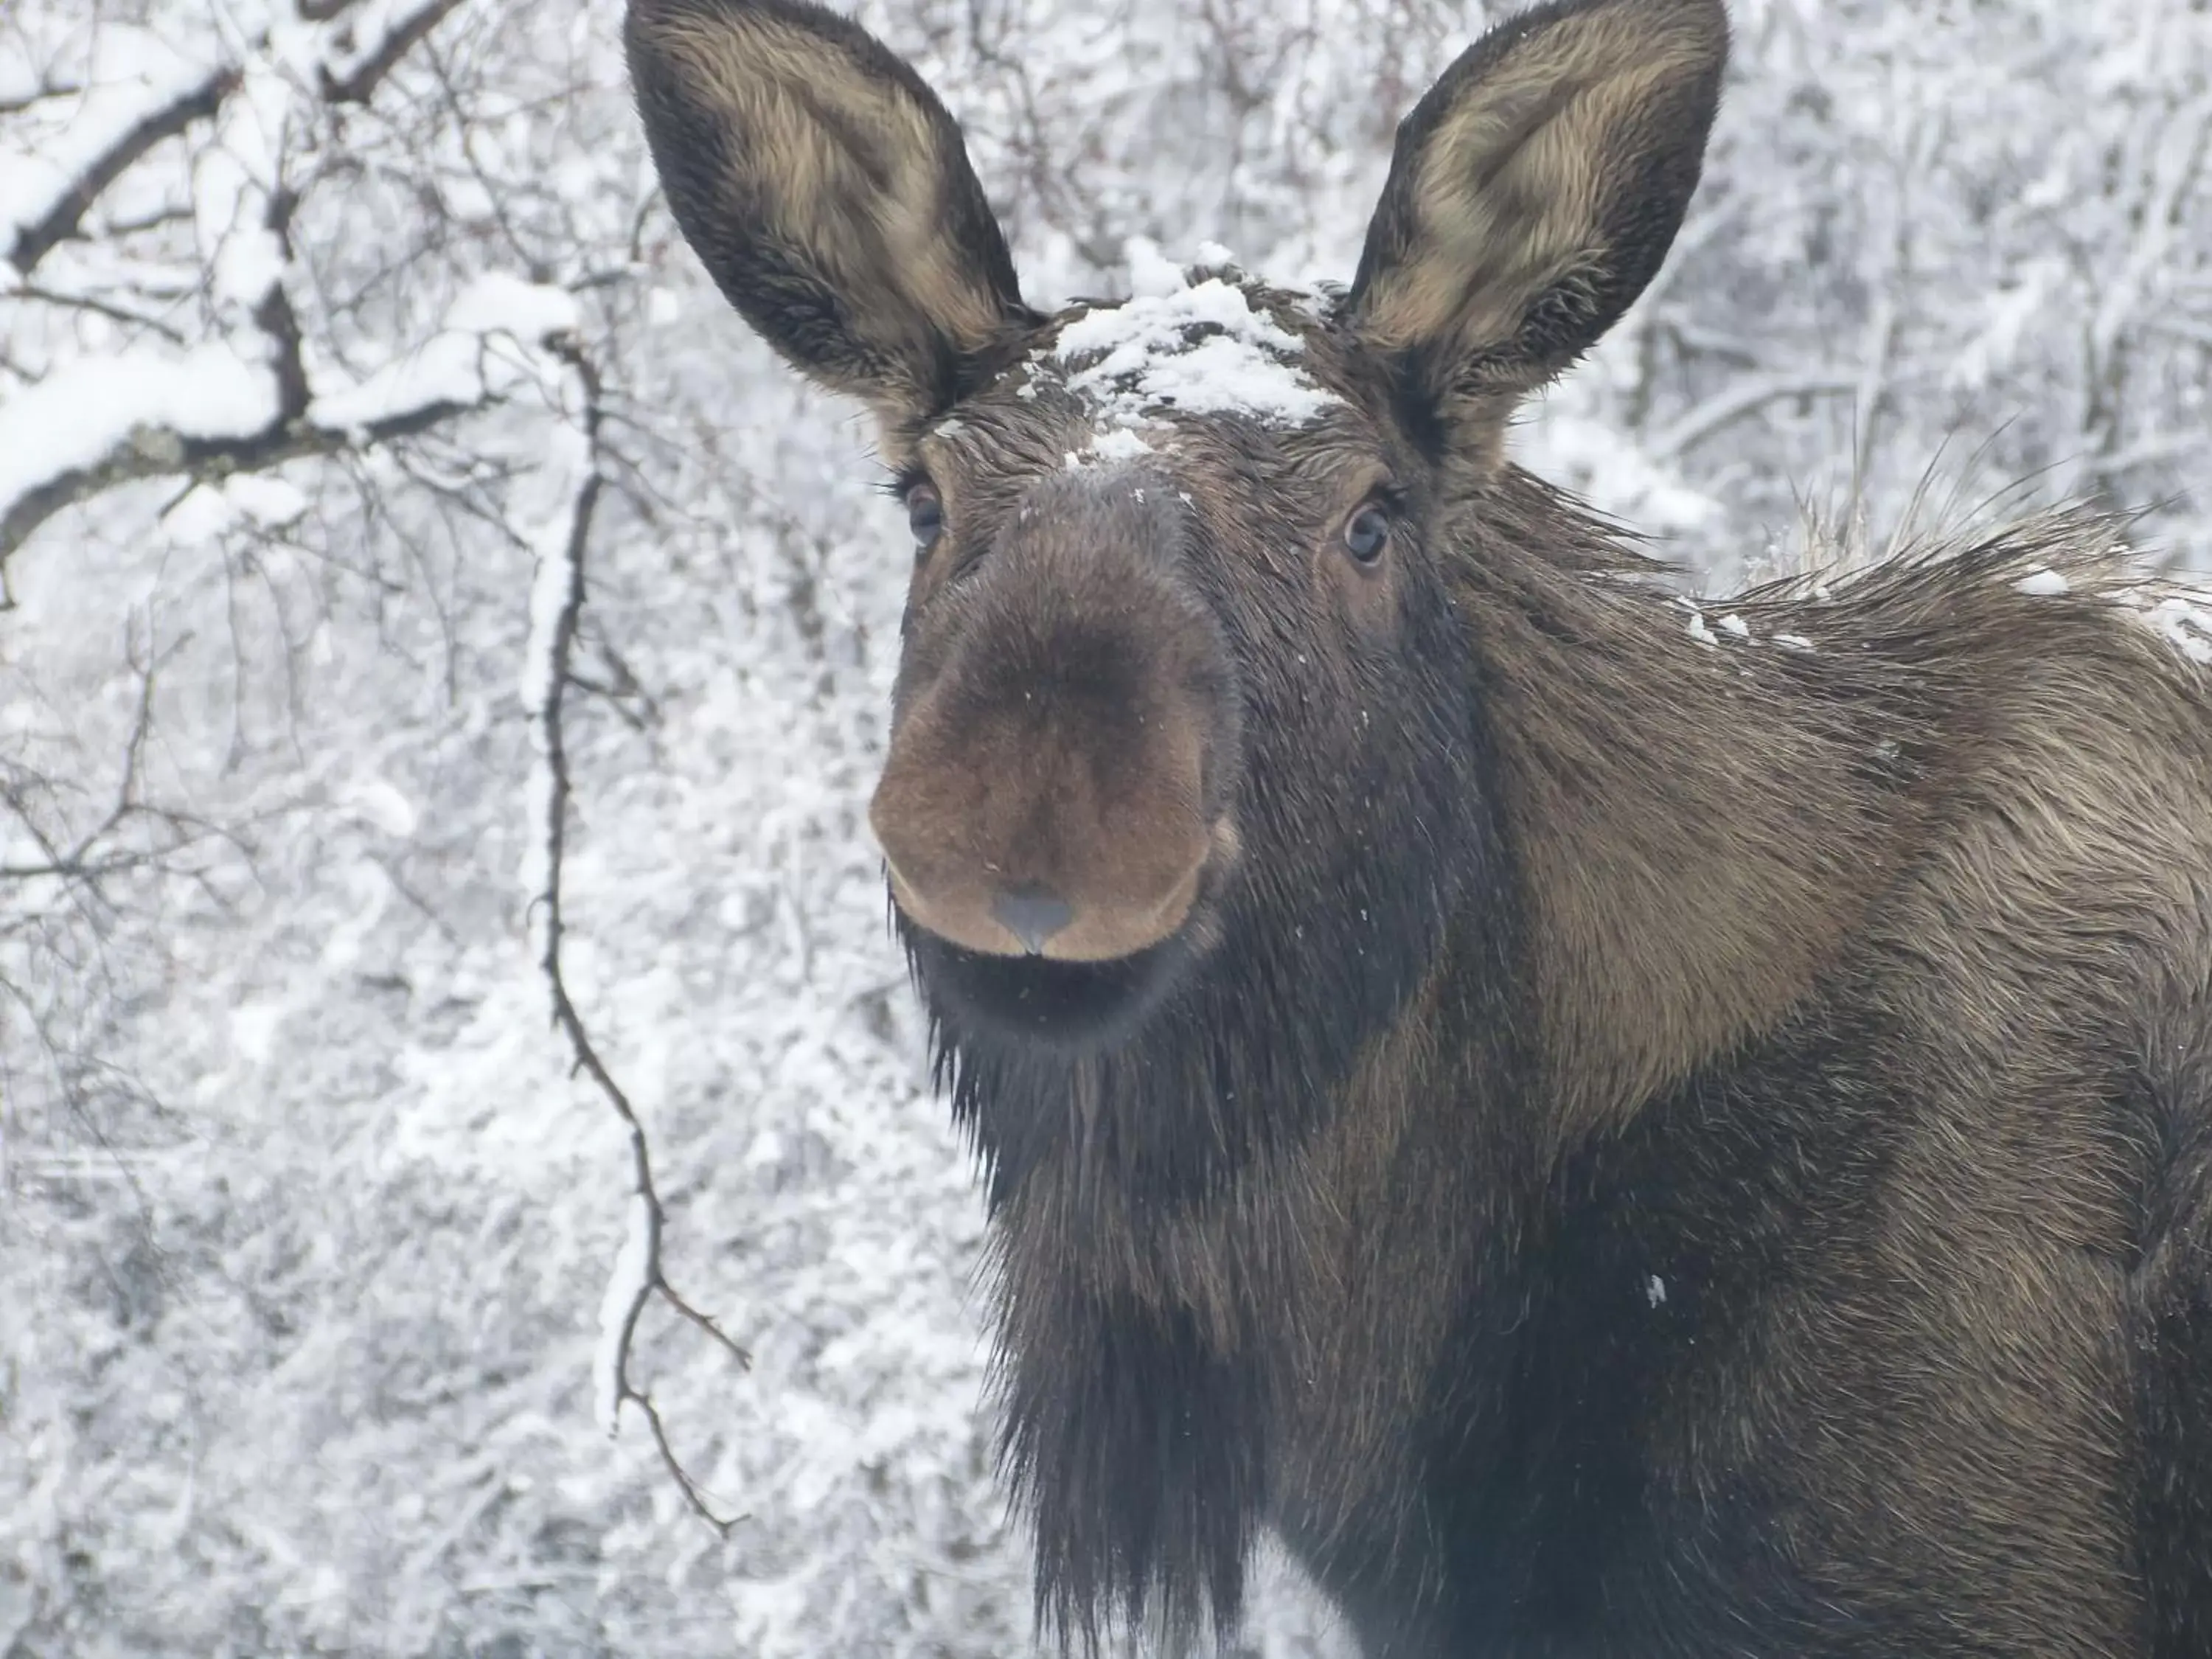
(1182, 675)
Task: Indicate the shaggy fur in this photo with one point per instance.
(1655, 1134)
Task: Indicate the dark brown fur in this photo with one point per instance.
(1648, 1137)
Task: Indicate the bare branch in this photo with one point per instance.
(113, 313)
(151, 219)
(647, 1278)
(1716, 414)
(722, 1525)
(198, 102)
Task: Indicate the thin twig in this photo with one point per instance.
(85, 863)
(651, 1281)
(102, 307)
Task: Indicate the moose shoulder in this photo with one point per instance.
(1610, 1130)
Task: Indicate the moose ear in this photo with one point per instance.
(1533, 193)
(829, 194)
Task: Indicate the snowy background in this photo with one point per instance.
(328, 330)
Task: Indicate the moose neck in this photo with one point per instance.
(1691, 833)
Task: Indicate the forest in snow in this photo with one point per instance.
(368, 900)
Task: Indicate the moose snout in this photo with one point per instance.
(1055, 756)
(1078, 847)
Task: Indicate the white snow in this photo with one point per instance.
(232, 179)
(1654, 1291)
(201, 515)
(2011, 314)
(1736, 625)
(548, 519)
(19, 80)
(1200, 348)
(384, 804)
(249, 264)
(1152, 275)
(1586, 454)
(253, 1028)
(1118, 443)
(499, 303)
(1700, 633)
(2042, 584)
(264, 498)
(555, 575)
(630, 1279)
(1793, 642)
(448, 369)
(2186, 625)
(79, 415)
(76, 417)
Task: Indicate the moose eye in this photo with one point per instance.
(1365, 532)
(925, 514)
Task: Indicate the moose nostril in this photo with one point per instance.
(1032, 914)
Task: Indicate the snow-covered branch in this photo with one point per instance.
(639, 1277)
(261, 382)
(214, 411)
(121, 122)
(379, 44)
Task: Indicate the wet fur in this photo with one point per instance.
(1651, 1147)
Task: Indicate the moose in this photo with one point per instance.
(1604, 1132)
